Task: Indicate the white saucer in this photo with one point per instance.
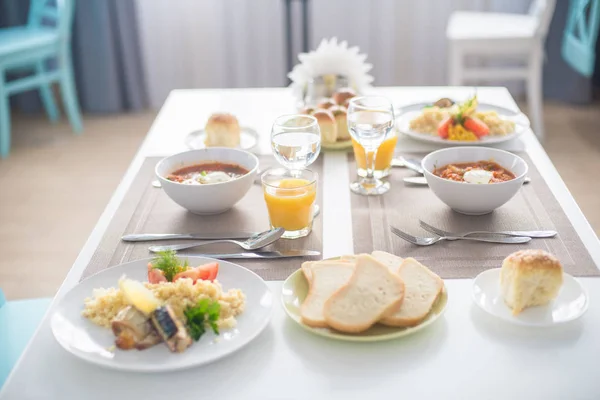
(248, 139)
(570, 304)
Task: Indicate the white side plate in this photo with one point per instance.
(248, 139)
(570, 304)
(91, 343)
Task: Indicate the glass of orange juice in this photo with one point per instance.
(383, 161)
(290, 198)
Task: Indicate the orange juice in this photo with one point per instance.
(383, 161)
(289, 202)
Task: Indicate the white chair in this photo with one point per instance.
(502, 36)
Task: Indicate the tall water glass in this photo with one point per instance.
(370, 119)
(296, 141)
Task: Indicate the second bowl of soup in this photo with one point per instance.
(474, 180)
(208, 181)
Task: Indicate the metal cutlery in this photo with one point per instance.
(428, 241)
(253, 243)
(143, 237)
(531, 234)
(410, 163)
(262, 254)
(421, 181)
(148, 237)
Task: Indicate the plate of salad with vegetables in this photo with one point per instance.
(469, 122)
(162, 314)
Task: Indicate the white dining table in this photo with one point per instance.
(464, 355)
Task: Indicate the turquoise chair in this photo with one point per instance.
(47, 36)
(18, 321)
(581, 34)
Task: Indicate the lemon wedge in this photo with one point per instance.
(137, 295)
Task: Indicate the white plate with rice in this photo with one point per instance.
(246, 308)
(504, 124)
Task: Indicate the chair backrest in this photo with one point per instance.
(52, 13)
(542, 10)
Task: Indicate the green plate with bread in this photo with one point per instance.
(387, 309)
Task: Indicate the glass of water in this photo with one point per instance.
(296, 141)
(370, 119)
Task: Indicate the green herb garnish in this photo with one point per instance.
(169, 264)
(206, 312)
(203, 173)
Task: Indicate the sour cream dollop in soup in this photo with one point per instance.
(207, 173)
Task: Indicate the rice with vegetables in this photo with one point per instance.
(105, 304)
(431, 117)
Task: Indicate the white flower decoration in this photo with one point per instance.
(331, 57)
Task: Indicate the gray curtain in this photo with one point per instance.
(106, 55)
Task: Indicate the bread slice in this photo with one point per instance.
(372, 291)
(308, 265)
(422, 290)
(392, 261)
(327, 277)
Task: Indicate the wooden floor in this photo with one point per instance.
(55, 185)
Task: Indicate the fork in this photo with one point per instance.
(428, 241)
(531, 234)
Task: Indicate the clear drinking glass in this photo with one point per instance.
(324, 86)
(290, 200)
(370, 119)
(296, 141)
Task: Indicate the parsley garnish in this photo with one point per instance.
(206, 312)
(169, 264)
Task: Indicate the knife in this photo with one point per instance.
(260, 254)
(203, 236)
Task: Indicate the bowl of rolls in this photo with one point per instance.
(331, 115)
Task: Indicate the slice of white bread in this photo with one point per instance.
(372, 291)
(327, 277)
(308, 265)
(392, 261)
(422, 290)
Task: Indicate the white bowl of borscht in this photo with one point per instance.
(474, 180)
(208, 181)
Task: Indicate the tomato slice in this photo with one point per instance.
(155, 275)
(443, 128)
(477, 126)
(190, 273)
(208, 272)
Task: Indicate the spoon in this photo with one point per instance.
(252, 243)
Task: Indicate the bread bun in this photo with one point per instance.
(530, 278)
(308, 110)
(342, 96)
(340, 114)
(326, 104)
(327, 125)
(222, 130)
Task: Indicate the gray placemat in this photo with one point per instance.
(146, 209)
(533, 208)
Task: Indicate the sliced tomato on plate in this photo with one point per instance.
(155, 275)
(208, 272)
(444, 127)
(477, 126)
